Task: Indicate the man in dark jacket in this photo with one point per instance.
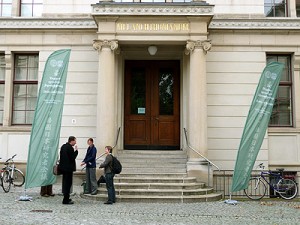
(90, 165)
(67, 164)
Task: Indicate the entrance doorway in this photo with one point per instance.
(152, 119)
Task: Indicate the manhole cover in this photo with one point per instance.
(41, 210)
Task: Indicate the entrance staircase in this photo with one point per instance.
(156, 176)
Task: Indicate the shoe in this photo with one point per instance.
(52, 195)
(45, 195)
(94, 192)
(108, 203)
(68, 203)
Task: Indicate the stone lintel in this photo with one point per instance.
(47, 23)
(255, 24)
(152, 9)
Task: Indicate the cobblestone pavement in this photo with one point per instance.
(50, 210)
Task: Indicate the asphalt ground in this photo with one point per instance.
(50, 210)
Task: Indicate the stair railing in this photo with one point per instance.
(209, 163)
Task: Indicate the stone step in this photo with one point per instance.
(158, 192)
(156, 176)
(152, 160)
(148, 186)
(155, 170)
(152, 174)
(161, 153)
(159, 199)
(156, 179)
(151, 165)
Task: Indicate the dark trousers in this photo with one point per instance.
(109, 177)
(91, 181)
(67, 181)
(46, 190)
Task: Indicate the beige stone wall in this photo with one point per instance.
(67, 7)
(234, 66)
(79, 113)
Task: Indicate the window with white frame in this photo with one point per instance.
(276, 8)
(31, 8)
(2, 83)
(25, 86)
(282, 114)
(5, 8)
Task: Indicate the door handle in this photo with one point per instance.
(156, 118)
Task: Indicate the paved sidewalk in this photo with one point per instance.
(50, 210)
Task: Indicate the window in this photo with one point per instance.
(276, 8)
(2, 82)
(25, 88)
(31, 8)
(5, 7)
(298, 8)
(282, 114)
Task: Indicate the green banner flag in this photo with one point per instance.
(256, 124)
(45, 133)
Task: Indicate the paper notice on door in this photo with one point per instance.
(141, 110)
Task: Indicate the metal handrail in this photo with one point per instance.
(206, 159)
(117, 138)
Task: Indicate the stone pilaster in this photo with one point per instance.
(297, 86)
(106, 100)
(197, 112)
(8, 89)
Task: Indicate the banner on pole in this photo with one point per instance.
(256, 124)
(45, 133)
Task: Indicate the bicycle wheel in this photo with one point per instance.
(287, 188)
(256, 189)
(6, 181)
(19, 178)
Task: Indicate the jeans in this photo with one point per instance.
(110, 187)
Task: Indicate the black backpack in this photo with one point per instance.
(116, 165)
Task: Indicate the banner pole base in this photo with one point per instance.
(25, 197)
(230, 201)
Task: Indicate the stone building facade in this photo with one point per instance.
(213, 52)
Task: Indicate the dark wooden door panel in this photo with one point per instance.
(151, 105)
(138, 132)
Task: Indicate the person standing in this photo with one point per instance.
(67, 165)
(90, 165)
(109, 175)
(46, 191)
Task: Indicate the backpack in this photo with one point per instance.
(116, 165)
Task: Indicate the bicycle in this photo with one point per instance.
(286, 188)
(10, 175)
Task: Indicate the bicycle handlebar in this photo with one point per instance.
(261, 165)
(11, 158)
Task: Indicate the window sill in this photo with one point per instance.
(15, 128)
(274, 130)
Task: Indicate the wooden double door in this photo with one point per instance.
(152, 119)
